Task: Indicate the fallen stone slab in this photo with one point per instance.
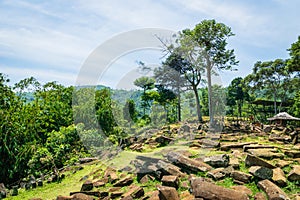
(261, 172)
(167, 193)
(91, 193)
(292, 153)
(163, 140)
(123, 182)
(226, 146)
(116, 194)
(210, 143)
(259, 196)
(266, 153)
(279, 177)
(87, 186)
(221, 160)
(283, 163)
(171, 181)
(185, 195)
(241, 176)
(234, 162)
(87, 160)
(273, 191)
(135, 192)
(294, 174)
(216, 174)
(242, 188)
(255, 161)
(257, 146)
(169, 169)
(187, 164)
(210, 191)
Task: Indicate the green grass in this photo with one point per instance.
(52, 190)
(227, 182)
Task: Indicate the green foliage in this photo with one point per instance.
(274, 79)
(296, 106)
(236, 95)
(294, 62)
(129, 111)
(227, 182)
(104, 111)
(32, 139)
(61, 147)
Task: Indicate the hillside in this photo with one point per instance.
(184, 161)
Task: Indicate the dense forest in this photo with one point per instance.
(47, 126)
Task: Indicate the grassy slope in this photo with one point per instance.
(51, 191)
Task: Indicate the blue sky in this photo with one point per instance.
(52, 40)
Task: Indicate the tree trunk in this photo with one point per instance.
(197, 103)
(210, 106)
(179, 107)
(275, 104)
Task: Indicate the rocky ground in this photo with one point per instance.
(189, 162)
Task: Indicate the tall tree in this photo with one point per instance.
(294, 62)
(236, 94)
(129, 111)
(273, 78)
(146, 83)
(211, 37)
(171, 79)
(179, 60)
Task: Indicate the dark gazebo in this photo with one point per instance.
(282, 118)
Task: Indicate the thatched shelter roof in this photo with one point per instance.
(283, 116)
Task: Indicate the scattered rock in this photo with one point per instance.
(273, 191)
(185, 195)
(167, 193)
(14, 191)
(209, 143)
(124, 182)
(134, 192)
(261, 172)
(221, 160)
(294, 174)
(163, 140)
(86, 160)
(226, 146)
(241, 176)
(211, 191)
(185, 128)
(169, 169)
(187, 164)
(234, 162)
(87, 186)
(265, 153)
(257, 146)
(146, 179)
(279, 177)
(267, 128)
(243, 189)
(60, 197)
(255, 161)
(259, 196)
(90, 193)
(216, 174)
(171, 181)
(116, 194)
(282, 163)
(154, 195)
(3, 191)
(98, 183)
(40, 183)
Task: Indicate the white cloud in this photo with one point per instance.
(60, 35)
